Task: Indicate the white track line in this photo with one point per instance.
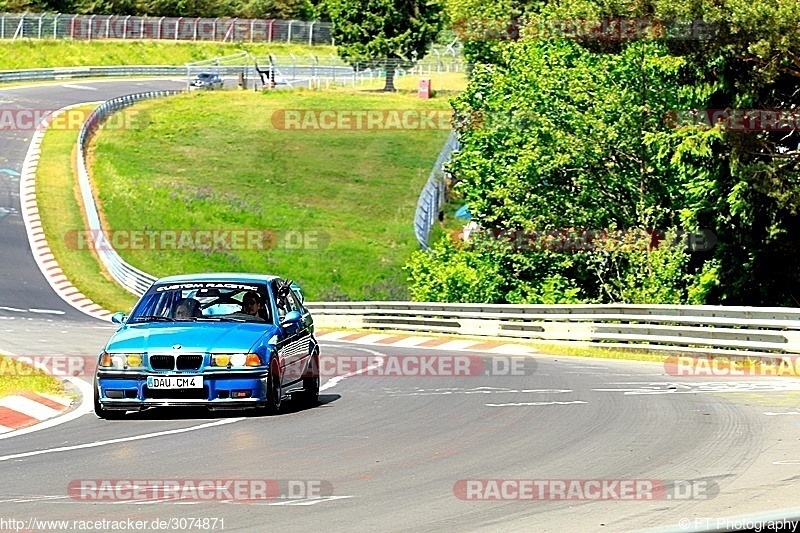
(33, 226)
(80, 410)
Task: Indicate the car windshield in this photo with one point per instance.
(205, 76)
(199, 301)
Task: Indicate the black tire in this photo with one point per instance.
(274, 391)
(105, 414)
(311, 382)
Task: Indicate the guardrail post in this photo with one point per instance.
(311, 33)
(214, 30)
(40, 26)
(160, 23)
(269, 30)
(289, 37)
(196, 24)
(177, 27)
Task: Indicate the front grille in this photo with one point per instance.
(162, 362)
(189, 362)
(176, 394)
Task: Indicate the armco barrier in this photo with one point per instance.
(736, 331)
(49, 74)
(432, 197)
(133, 279)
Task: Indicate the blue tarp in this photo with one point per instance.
(463, 212)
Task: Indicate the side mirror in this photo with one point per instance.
(118, 318)
(291, 317)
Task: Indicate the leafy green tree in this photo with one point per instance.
(277, 9)
(568, 133)
(483, 27)
(385, 33)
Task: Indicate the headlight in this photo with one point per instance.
(235, 360)
(121, 360)
(133, 359)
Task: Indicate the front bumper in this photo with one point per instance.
(222, 390)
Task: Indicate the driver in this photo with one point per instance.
(251, 304)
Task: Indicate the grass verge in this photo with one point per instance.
(16, 377)
(443, 83)
(600, 353)
(339, 202)
(26, 54)
(61, 212)
(543, 347)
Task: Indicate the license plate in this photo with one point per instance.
(175, 382)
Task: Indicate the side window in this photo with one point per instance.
(285, 305)
(287, 302)
(293, 303)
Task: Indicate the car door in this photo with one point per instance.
(293, 348)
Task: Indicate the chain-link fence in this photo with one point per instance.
(319, 71)
(92, 27)
(433, 194)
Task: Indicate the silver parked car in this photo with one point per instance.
(206, 80)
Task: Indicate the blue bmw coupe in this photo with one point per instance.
(225, 341)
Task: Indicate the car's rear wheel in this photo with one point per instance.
(274, 391)
(106, 414)
(311, 381)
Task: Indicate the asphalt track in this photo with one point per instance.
(393, 449)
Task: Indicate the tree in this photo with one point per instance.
(384, 33)
(560, 132)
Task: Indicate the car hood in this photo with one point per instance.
(192, 337)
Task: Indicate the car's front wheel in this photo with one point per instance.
(274, 390)
(107, 414)
(311, 381)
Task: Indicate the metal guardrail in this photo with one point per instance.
(432, 197)
(734, 331)
(50, 74)
(131, 278)
(291, 70)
